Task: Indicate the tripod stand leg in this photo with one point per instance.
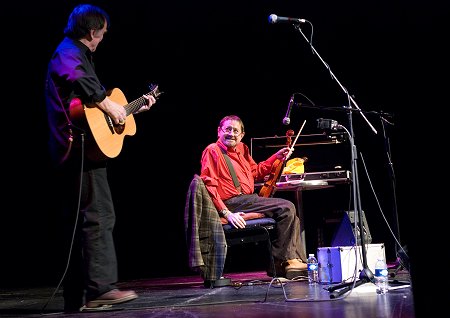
(366, 276)
(333, 288)
(348, 287)
(398, 267)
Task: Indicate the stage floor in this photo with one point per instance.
(252, 294)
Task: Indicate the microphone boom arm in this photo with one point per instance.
(335, 78)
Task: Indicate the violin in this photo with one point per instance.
(268, 189)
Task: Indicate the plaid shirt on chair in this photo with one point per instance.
(204, 232)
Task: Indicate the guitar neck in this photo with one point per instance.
(141, 101)
(135, 105)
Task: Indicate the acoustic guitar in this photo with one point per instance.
(104, 139)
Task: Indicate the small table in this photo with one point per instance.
(298, 186)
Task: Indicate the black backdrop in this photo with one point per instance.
(213, 59)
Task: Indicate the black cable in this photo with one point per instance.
(74, 227)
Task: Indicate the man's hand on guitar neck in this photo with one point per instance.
(118, 113)
(150, 101)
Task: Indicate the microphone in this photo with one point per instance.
(287, 119)
(273, 18)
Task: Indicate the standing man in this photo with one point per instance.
(231, 201)
(88, 208)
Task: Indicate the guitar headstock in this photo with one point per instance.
(154, 91)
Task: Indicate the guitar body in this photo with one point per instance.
(104, 138)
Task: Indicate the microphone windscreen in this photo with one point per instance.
(273, 18)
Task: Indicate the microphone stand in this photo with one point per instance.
(366, 274)
(297, 27)
(399, 261)
(387, 146)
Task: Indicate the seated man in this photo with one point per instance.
(234, 198)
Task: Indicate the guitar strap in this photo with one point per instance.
(231, 169)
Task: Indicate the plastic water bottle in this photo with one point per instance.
(381, 276)
(313, 269)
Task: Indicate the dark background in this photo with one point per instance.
(212, 59)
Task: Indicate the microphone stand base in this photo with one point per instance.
(365, 276)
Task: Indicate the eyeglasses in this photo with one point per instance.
(231, 130)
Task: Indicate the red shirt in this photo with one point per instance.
(217, 177)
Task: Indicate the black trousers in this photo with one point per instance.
(89, 222)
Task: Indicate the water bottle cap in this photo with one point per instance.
(311, 254)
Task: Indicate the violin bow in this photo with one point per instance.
(291, 149)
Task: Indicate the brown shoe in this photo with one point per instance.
(294, 268)
(114, 296)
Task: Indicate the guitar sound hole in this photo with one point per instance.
(119, 128)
